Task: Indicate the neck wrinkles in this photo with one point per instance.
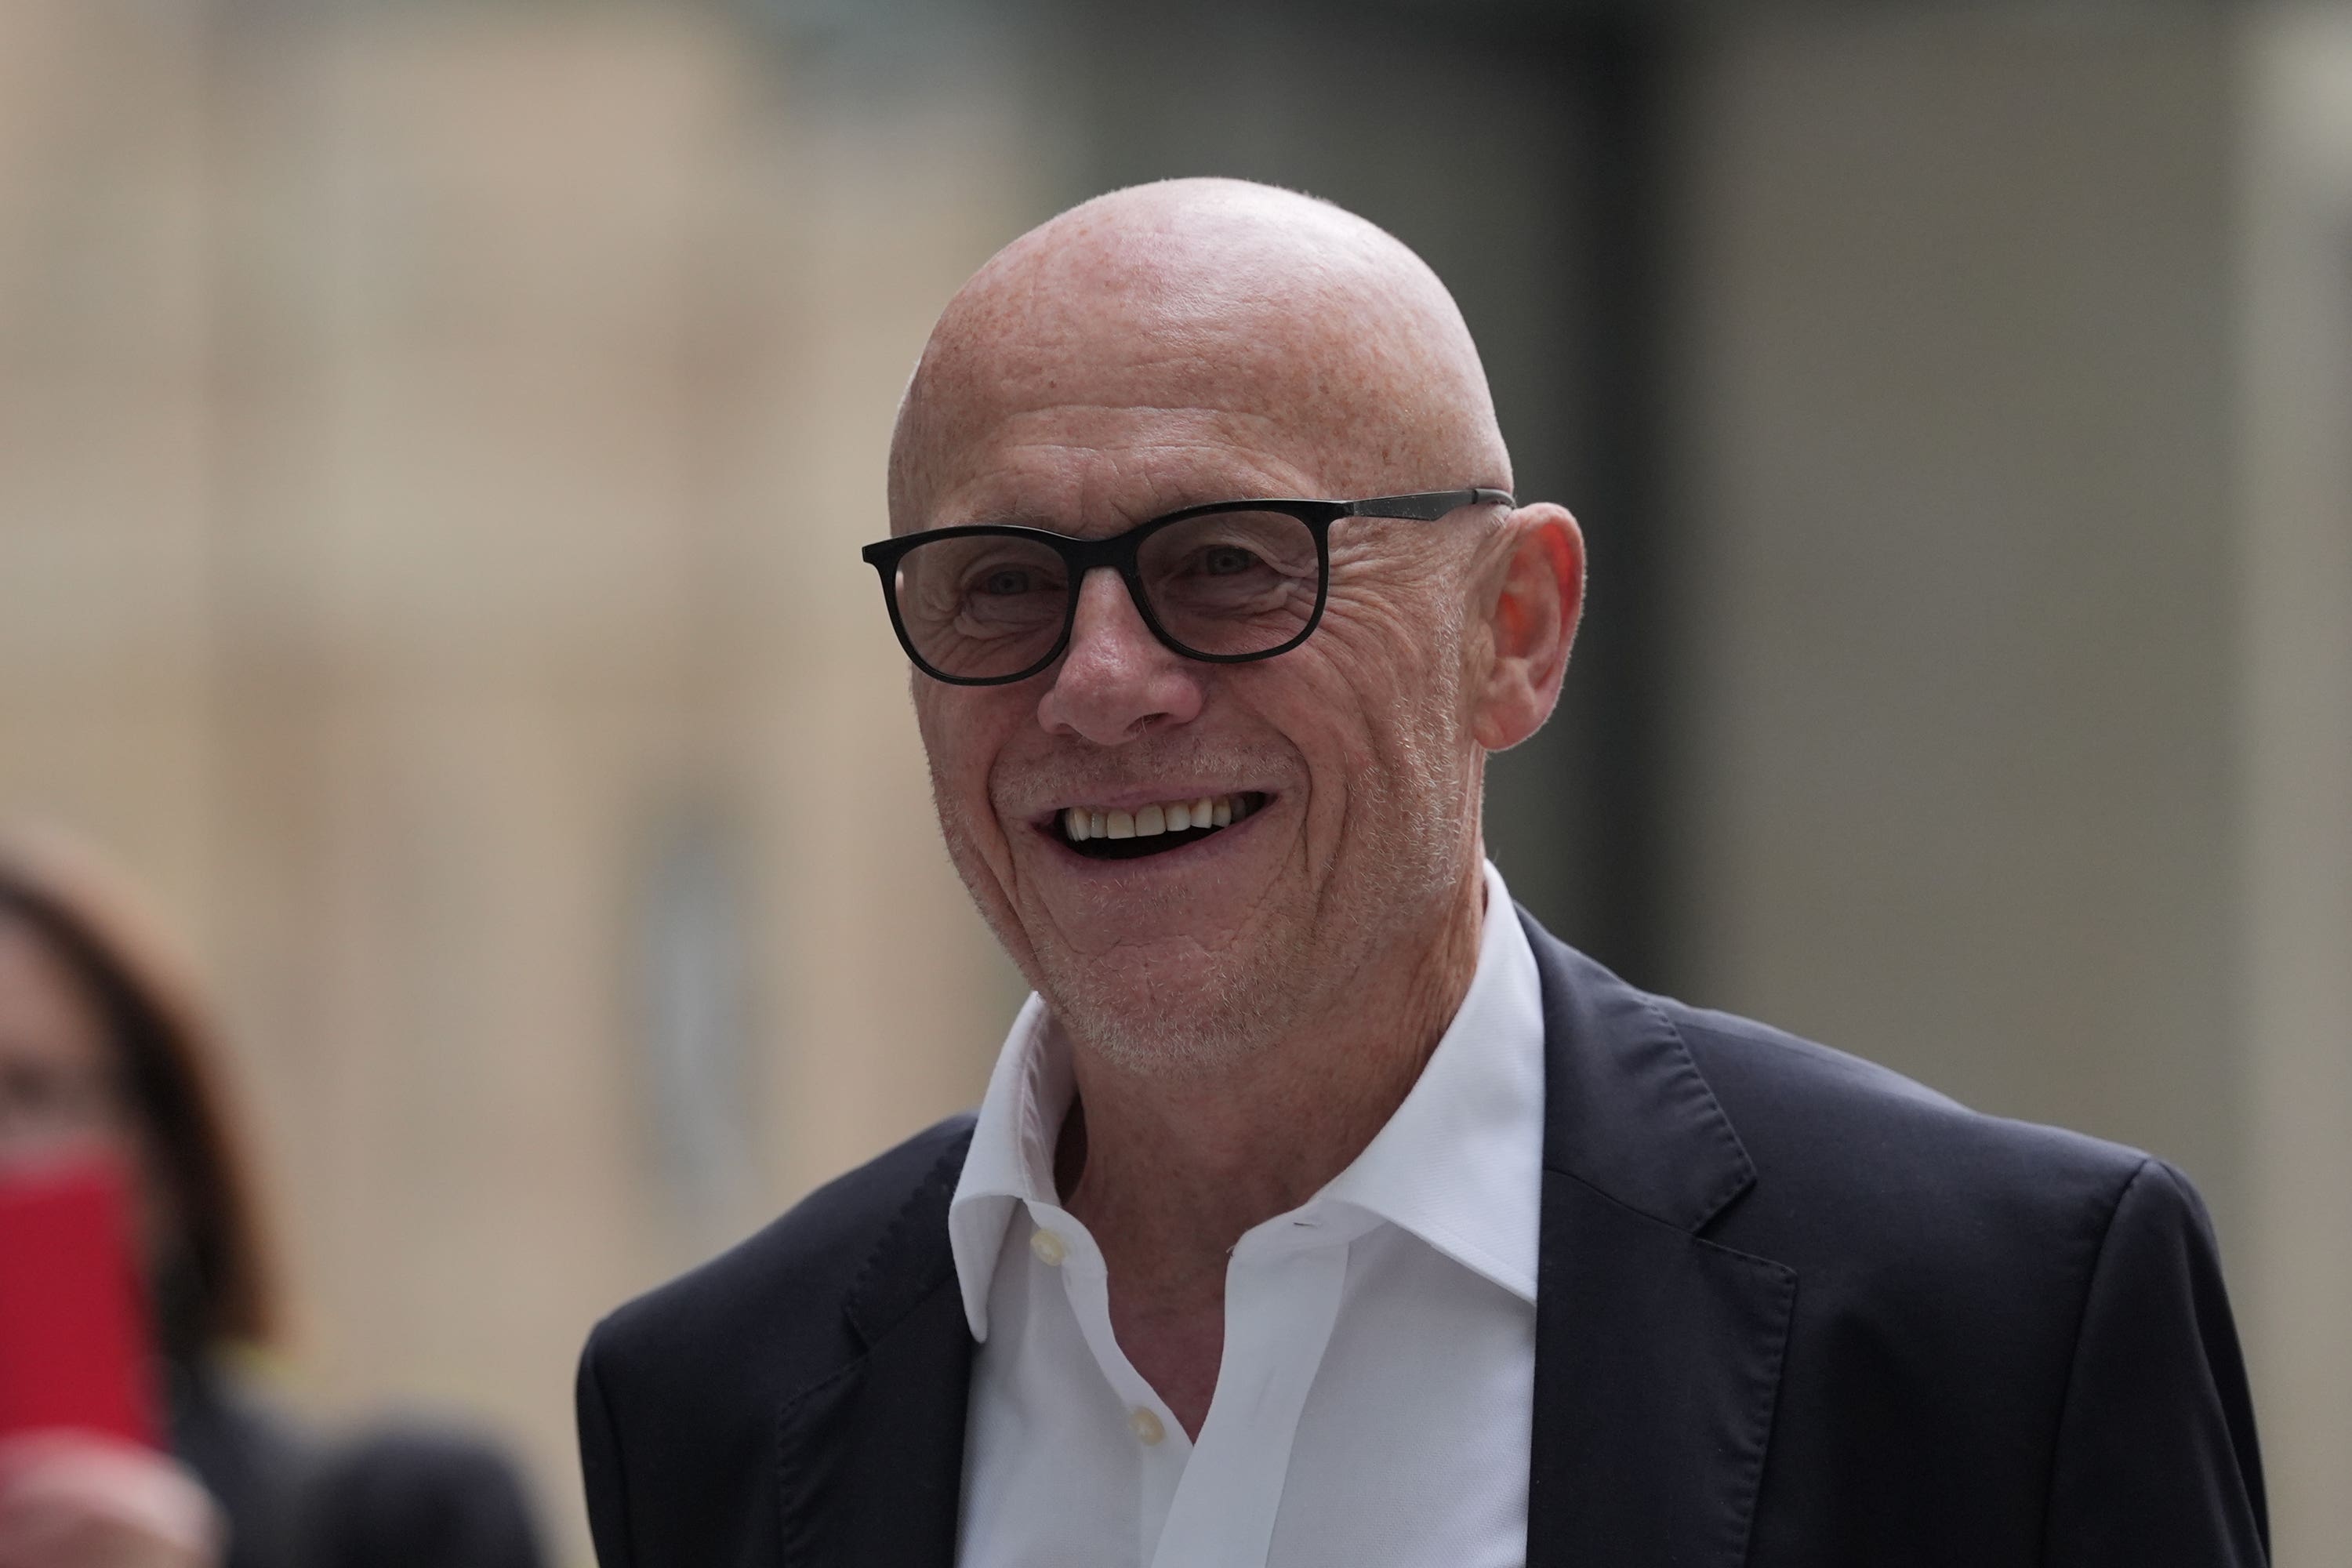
(1168, 1172)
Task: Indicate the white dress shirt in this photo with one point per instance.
(1374, 1399)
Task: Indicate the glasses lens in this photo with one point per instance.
(978, 605)
(1233, 581)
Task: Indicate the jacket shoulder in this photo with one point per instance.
(1900, 1168)
(1774, 1083)
(780, 1292)
(2040, 1310)
(679, 1392)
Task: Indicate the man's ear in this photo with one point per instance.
(1530, 622)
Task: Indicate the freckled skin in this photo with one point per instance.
(1247, 1014)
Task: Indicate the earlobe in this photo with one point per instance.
(1531, 622)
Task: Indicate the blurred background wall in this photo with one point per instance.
(434, 438)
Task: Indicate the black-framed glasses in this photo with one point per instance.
(989, 604)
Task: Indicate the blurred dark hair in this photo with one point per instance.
(213, 1283)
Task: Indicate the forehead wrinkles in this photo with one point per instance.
(1351, 410)
(1092, 466)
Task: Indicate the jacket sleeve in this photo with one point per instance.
(600, 1466)
(2156, 1462)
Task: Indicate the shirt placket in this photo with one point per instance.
(1282, 1290)
(1163, 1450)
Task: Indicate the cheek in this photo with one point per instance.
(959, 742)
(1397, 655)
(1383, 723)
(1344, 711)
(966, 735)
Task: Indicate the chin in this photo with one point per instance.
(1176, 1018)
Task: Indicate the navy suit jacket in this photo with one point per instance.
(1793, 1311)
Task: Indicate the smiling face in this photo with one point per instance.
(1170, 347)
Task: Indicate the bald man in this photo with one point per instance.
(1322, 1208)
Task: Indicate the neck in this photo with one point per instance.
(1167, 1174)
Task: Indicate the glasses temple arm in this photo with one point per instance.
(1427, 508)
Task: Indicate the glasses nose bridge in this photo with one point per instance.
(1121, 564)
(1121, 554)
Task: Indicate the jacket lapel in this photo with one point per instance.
(1657, 1352)
(870, 1459)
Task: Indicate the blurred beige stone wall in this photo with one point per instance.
(433, 446)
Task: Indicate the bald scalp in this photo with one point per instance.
(1272, 314)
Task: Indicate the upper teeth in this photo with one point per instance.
(1173, 816)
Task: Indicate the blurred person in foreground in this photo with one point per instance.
(106, 1051)
(1322, 1207)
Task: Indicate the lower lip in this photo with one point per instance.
(1186, 853)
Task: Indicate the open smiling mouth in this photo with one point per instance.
(1153, 830)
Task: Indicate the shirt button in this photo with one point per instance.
(1146, 1426)
(1050, 1248)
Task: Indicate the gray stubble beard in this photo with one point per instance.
(1234, 1004)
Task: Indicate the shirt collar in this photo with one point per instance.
(1012, 1157)
(1460, 1164)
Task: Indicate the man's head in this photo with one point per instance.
(1206, 340)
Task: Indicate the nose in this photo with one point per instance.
(1116, 680)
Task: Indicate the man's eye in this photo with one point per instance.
(1003, 582)
(1225, 560)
